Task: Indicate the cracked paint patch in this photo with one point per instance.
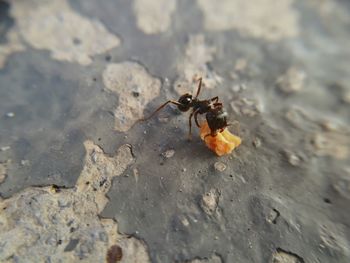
(292, 81)
(265, 19)
(195, 65)
(135, 88)
(3, 172)
(54, 26)
(154, 16)
(55, 224)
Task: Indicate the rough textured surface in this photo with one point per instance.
(66, 107)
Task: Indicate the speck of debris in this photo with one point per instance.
(273, 216)
(169, 153)
(114, 254)
(71, 245)
(219, 166)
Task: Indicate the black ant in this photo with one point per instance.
(215, 113)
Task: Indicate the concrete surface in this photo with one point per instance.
(80, 181)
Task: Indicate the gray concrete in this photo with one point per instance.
(282, 72)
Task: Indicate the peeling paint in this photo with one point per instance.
(54, 26)
(39, 223)
(154, 16)
(265, 19)
(212, 259)
(194, 65)
(135, 88)
(13, 45)
(281, 256)
(332, 143)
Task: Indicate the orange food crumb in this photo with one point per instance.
(223, 143)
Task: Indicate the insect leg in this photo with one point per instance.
(216, 99)
(199, 87)
(196, 118)
(190, 126)
(159, 108)
(212, 134)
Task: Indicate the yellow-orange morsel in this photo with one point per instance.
(223, 143)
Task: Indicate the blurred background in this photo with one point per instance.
(82, 180)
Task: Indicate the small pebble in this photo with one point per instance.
(163, 119)
(219, 166)
(293, 159)
(210, 200)
(256, 142)
(184, 169)
(25, 162)
(10, 114)
(5, 148)
(169, 153)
